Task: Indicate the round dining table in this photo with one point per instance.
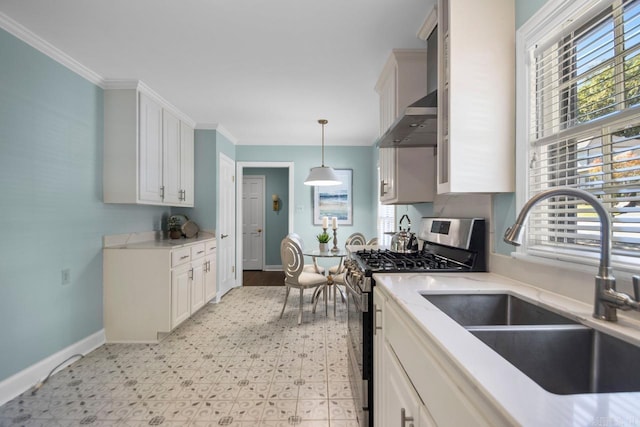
(339, 254)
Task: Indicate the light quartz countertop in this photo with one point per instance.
(514, 394)
(152, 241)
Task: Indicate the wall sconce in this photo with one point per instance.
(276, 202)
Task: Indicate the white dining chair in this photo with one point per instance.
(310, 268)
(353, 239)
(296, 277)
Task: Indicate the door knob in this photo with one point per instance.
(222, 236)
(259, 230)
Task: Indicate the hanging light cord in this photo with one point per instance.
(323, 122)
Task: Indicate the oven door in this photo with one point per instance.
(356, 311)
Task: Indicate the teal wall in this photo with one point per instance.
(51, 136)
(276, 223)
(205, 164)
(525, 9)
(358, 158)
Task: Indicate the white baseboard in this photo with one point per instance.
(27, 378)
(277, 267)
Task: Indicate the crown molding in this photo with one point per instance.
(38, 43)
(218, 128)
(429, 24)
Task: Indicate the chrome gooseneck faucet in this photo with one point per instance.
(607, 299)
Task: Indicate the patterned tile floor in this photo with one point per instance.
(235, 363)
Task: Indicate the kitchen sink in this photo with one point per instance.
(567, 359)
(494, 309)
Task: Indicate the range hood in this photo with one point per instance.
(417, 127)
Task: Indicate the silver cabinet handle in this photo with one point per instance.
(200, 252)
(375, 321)
(222, 236)
(184, 257)
(191, 274)
(162, 192)
(382, 184)
(404, 418)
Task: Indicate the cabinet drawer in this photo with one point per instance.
(210, 246)
(180, 256)
(197, 251)
(445, 399)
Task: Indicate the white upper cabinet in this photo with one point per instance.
(476, 96)
(150, 161)
(148, 149)
(402, 82)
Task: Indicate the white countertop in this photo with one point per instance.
(517, 396)
(146, 241)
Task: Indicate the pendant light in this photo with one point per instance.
(322, 175)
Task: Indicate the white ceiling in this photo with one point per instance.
(264, 70)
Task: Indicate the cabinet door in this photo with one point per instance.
(399, 397)
(476, 129)
(197, 285)
(180, 294)
(150, 151)
(378, 357)
(387, 174)
(171, 158)
(186, 164)
(210, 277)
(424, 418)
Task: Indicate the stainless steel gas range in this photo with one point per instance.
(449, 245)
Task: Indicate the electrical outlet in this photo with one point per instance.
(66, 276)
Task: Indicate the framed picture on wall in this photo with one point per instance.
(335, 200)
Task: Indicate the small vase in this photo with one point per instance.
(323, 247)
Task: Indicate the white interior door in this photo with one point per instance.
(227, 225)
(253, 222)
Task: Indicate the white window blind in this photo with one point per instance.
(584, 130)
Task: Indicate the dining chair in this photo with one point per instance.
(309, 268)
(296, 277)
(353, 239)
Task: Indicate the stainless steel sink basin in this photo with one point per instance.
(494, 309)
(567, 359)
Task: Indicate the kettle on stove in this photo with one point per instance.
(404, 242)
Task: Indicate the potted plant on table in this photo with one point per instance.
(323, 239)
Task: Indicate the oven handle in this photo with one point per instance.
(360, 300)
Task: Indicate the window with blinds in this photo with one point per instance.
(584, 130)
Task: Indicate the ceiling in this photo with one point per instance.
(265, 71)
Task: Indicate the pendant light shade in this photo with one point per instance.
(322, 175)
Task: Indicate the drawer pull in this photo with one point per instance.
(375, 320)
(184, 257)
(404, 418)
(200, 252)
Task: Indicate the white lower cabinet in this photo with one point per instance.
(414, 381)
(396, 401)
(149, 292)
(180, 294)
(210, 272)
